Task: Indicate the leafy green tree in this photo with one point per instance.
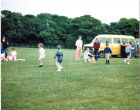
(54, 29)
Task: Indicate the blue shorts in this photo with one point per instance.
(59, 60)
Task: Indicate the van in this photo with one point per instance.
(114, 43)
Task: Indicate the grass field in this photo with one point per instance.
(78, 86)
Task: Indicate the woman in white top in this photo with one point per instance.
(78, 44)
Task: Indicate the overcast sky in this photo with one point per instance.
(105, 10)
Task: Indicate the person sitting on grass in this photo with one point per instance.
(59, 56)
(14, 54)
(88, 56)
(9, 57)
(41, 54)
(128, 53)
(107, 51)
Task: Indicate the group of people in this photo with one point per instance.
(128, 51)
(5, 56)
(87, 55)
(133, 51)
(58, 54)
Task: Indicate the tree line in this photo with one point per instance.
(54, 29)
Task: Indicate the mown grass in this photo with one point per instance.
(78, 86)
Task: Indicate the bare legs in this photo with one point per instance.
(40, 61)
(128, 59)
(59, 67)
(107, 58)
(78, 53)
(89, 60)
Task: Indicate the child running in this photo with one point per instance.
(128, 53)
(41, 54)
(59, 56)
(88, 56)
(107, 51)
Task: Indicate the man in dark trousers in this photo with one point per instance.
(123, 54)
(96, 47)
(5, 45)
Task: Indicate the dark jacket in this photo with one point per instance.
(96, 45)
(107, 50)
(5, 44)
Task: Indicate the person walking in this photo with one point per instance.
(96, 47)
(78, 45)
(5, 45)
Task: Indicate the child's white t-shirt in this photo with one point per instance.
(79, 43)
(86, 54)
(42, 53)
(13, 53)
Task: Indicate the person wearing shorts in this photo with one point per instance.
(128, 53)
(41, 54)
(107, 51)
(59, 56)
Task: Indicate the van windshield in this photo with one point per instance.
(101, 40)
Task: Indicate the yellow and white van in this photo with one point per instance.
(114, 43)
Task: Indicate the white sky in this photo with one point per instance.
(105, 10)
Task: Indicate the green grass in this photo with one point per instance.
(78, 86)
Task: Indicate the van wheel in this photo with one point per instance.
(101, 55)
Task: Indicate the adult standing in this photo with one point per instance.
(79, 44)
(5, 45)
(96, 47)
(135, 46)
(123, 54)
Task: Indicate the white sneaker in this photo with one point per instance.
(124, 61)
(128, 63)
(58, 70)
(61, 67)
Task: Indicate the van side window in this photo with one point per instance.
(126, 41)
(116, 40)
(131, 40)
(101, 40)
(108, 40)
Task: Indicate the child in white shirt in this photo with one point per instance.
(88, 56)
(41, 54)
(9, 57)
(14, 54)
